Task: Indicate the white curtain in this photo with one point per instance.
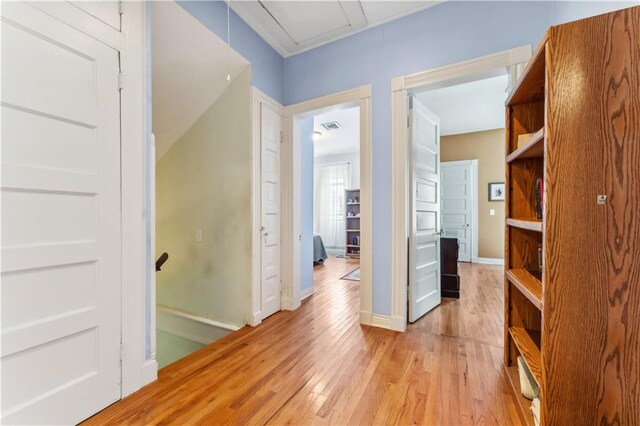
(331, 181)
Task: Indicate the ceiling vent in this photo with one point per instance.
(334, 125)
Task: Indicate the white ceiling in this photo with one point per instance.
(292, 27)
(189, 70)
(341, 141)
(468, 107)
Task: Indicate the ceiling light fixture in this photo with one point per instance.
(228, 43)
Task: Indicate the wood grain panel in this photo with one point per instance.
(591, 351)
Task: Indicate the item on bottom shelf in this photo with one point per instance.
(528, 386)
(540, 257)
(539, 200)
(535, 410)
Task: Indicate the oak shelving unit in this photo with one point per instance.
(575, 320)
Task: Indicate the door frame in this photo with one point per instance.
(514, 60)
(359, 96)
(474, 202)
(259, 98)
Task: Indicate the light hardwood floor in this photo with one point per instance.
(317, 365)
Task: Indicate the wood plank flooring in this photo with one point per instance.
(317, 365)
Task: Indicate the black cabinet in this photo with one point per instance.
(449, 278)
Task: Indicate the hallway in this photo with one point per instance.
(318, 365)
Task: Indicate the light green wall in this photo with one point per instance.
(204, 182)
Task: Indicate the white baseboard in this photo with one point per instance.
(389, 322)
(365, 318)
(149, 372)
(307, 292)
(192, 327)
(256, 319)
(488, 260)
(287, 304)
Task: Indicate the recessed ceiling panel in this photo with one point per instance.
(306, 20)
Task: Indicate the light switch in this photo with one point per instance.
(492, 212)
(199, 235)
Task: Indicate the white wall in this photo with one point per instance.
(353, 157)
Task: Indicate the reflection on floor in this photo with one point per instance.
(319, 365)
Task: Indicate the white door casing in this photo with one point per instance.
(271, 141)
(456, 184)
(424, 210)
(61, 239)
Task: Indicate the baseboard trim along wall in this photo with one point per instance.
(488, 260)
(307, 292)
(192, 327)
(388, 322)
(149, 372)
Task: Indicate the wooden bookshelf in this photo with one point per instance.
(352, 223)
(573, 318)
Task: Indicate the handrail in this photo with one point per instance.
(161, 260)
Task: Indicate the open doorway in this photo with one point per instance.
(454, 170)
(336, 193)
(203, 166)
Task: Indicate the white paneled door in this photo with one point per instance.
(457, 204)
(61, 296)
(424, 210)
(270, 141)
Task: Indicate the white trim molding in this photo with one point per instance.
(192, 327)
(400, 87)
(307, 292)
(360, 96)
(389, 322)
(488, 260)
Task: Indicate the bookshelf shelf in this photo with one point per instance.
(528, 284)
(534, 148)
(528, 224)
(529, 350)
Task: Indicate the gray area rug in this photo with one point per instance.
(352, 276)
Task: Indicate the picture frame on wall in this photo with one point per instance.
(497, 191)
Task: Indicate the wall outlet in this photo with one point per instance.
(492, 212)
(199, 235)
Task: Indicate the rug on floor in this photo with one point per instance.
(352, 276)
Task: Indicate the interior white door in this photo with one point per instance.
(61, 296)
(424, 210)
(271, 140)
(457, 205)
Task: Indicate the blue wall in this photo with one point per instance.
(267, 66)
(447, 33)
(306, 202)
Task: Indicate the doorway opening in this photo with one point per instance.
(338, 205)
(203, 167)
(335, 205)
(465, 159)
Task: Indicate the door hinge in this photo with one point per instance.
(121, 352)
(407, 121)
(120, 81)
(281, 137)
(120, 7)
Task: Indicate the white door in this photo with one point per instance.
(456, 186)
(61, 296)
(424, 210)
(271, 137)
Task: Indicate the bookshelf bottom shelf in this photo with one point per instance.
(523, 403)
